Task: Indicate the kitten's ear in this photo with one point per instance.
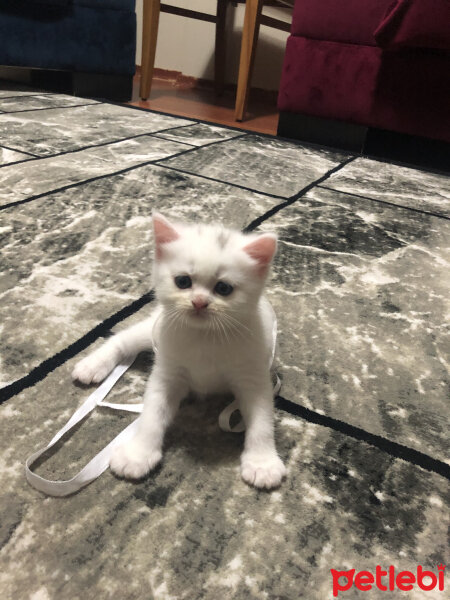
(164, 232)
(262, 249)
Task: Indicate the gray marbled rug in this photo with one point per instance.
(361, 289)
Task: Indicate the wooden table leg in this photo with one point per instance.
(220, 50)
(150, 23)
(253, 9)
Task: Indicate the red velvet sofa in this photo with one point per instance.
(382, 64)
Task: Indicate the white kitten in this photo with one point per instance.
(210, 333)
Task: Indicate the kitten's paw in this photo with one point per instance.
(134, 461)
(92, 369)
(262, 470)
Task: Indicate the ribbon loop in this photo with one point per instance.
(100, 463)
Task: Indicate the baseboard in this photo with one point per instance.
(52, 81)
(326, 132)
(97, 85)
(410, 149)
(15, 74)
(180, 80)
(368, 141)
(88, 85)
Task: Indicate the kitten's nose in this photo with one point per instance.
(199, 303)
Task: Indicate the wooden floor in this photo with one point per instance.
(187, 97)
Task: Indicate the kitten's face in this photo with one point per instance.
(208, 276)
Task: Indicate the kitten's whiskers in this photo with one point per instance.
(173, 315)
(236, 326)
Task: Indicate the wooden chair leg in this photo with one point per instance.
(253, 9)
(220, 50)
(150, 23)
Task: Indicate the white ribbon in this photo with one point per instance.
(225, 418)
(100, 463)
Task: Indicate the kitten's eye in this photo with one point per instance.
(183, 281)
(223, 289)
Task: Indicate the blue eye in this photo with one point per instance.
(183, 282)
(223, 289)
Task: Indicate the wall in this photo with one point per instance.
(187, 45)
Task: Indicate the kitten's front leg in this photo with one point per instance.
(143, 452)
(95, 367)
(260, 464)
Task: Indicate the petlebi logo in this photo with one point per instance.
(388, 579)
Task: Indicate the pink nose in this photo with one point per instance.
(199, 303)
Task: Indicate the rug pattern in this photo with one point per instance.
(361, 290)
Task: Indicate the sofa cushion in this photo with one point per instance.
(42, 8)
(348, 21)
(415, 23)
(111, 4)
(328, 79)
(85, 39)
(52, 2)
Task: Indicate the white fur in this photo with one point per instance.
(225, 348)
